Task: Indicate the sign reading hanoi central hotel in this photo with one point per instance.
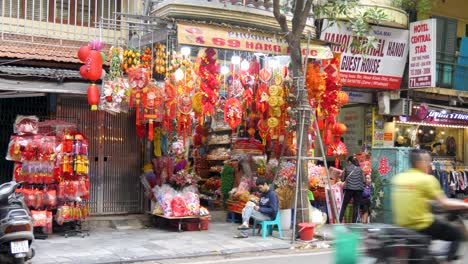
(379, 67)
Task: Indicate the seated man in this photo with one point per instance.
(265, 211)
(411, 194)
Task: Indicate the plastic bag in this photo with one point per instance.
(179, 207)
(39, 218)
(192, 203)
(50, 198)
(26, 125)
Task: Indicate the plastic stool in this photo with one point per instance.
(269, 225)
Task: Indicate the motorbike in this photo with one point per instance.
(392, 244)
(16, 226)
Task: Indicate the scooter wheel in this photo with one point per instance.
(66, 235)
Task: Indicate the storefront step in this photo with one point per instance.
(119, 222)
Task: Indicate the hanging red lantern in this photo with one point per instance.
(339, 128)
(83, 53)
(342, 97)
(93, 96)
(94, 64)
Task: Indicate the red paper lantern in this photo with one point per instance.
(93, 96)
(342, 97)
(339, 128)
(83, 53)
(94, 64)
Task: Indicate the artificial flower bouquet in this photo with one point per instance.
(183, 179)
(285, 183)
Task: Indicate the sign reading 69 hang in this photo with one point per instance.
(240, 39)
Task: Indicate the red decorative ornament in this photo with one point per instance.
(342, 97)
(138, 79)
(94, 65)
(339, 128)
(184, 119)
(337, 149)
(261, 98)
(265, 75)
(93, 96)
(263, 129)
(83, 53)
(233, 112)
(152, 100)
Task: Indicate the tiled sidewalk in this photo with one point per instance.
(117, 246)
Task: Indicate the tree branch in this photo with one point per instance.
(302, 18)
(280, 17)
(298, 7)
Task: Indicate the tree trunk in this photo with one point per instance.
(303, 123)
(294, 43)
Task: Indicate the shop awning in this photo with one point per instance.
(42, 87)
(231, 38)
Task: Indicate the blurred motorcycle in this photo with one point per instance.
(16, 227)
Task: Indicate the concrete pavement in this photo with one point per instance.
(117, 246)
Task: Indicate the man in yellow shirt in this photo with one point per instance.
(412, 192)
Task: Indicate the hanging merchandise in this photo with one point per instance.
(170, 106)
(92, 70)
(52, 162)
(131, 60)
(138, 79)
(233, 112)
(184, 119)
(160, 60)
(152, 106)
(208, 71)
(261, 98)
(146, 58)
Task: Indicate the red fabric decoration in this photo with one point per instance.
(265, 75)
(152, 100)
(93, 96)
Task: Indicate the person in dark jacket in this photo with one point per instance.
(266, 210)
(353, 187)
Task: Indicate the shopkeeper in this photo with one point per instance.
(436, 149)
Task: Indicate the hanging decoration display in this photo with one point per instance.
(233, 112)
(92, 69)
(152, 103)
(208, 71)
(324, 90)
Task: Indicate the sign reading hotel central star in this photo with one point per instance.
(240, 39)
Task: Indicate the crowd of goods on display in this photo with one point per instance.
(51, 159)
(252, 93)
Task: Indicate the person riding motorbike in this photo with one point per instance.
(411, 194)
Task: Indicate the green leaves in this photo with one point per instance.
(423, 7)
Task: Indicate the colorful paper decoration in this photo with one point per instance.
(152, 101)
(263, 130)
(261, 98)
(233, 112)
(265, 75)
(184, 120)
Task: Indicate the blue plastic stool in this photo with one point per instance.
(268, 225)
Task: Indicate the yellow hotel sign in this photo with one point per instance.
(240, 39)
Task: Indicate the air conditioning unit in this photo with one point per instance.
(401, 107)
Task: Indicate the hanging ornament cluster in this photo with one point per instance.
(146, 58)
(93, 59)
(160, 58)
(131, 59)
(324, 89)
(208, 71)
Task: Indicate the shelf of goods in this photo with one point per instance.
(52, 162)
